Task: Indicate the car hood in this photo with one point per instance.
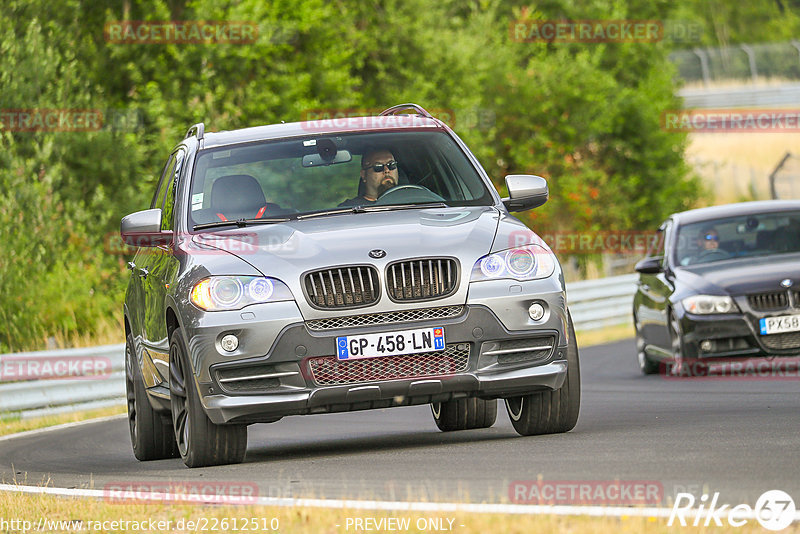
(288, 250)
(743, 275)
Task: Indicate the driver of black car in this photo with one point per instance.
(379, 173)
(708, 245)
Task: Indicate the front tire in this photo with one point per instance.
(464, 414)
(200, 442)
(646, 365)
(681, 365)
(551, 412)
(151, 433)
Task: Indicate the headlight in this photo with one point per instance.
(235, 292)
(521, 263)
(706, 304)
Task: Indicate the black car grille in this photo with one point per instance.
(342, 287)
(768, 301)
(373, 319)
(421, 279)
(328, 370)
(786, 341)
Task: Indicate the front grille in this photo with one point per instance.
(328, 370)
(789, 340)
(372, 319)
(422, 279)
(768, 301)
(342, 287)
(521, 350)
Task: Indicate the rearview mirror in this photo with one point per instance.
(525, 192)
(143, 229)
(319, 160)
(650, 265)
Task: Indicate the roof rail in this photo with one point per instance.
(197, 130)
(395, 110)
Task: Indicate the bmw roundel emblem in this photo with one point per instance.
(786, 283)
(377, 253)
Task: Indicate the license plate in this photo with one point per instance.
(390, 343)
(779, 325)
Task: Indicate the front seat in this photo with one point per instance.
(238, 196)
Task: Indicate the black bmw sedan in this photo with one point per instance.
(720, 283)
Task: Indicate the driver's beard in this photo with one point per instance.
(385, 186)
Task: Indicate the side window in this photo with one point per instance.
(664, 246)
(159, 195)
(171, 179)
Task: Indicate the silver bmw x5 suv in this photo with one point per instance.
(338, 265)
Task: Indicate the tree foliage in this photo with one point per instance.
(585, 116)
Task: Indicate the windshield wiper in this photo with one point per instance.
(241, 223)
(392, 207)
(337, 211)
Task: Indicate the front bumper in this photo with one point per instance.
(734, 336)
(300, 374)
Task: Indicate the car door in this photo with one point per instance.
(154, 282)
(139, 267)
(654, 291)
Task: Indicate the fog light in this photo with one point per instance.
(706, 345)
(229, 343)
(536, 311)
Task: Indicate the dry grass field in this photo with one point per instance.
(736, 166)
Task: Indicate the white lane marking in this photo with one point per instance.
(561, 510)
(61, 427)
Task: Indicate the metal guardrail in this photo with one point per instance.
(594, 304)
(786, 94)
(600, 303)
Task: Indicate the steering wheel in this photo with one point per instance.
(712, 255)
(408, 193)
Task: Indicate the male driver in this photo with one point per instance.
(708, 245)
(378, 174)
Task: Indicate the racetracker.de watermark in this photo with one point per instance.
(180, 32)
(586, 31)
(217, 492)
(731, 120)
(608, 242)
(463, 118)
(14, 367)
(220, 242)
(752, 369)
(70, 120)
(587, 492)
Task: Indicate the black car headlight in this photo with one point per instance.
(235, 292)
(520, 263)
(708, 304)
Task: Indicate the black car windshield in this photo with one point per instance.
(290, 177)
(761, 234)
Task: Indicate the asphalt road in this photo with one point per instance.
(739, 437)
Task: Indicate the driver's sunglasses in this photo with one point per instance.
(711, 237)
(378, 167)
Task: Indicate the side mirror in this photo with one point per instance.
(650, 265)
(143, 229)
(525, 192)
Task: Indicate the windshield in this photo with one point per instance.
(287, 178)
(761, 234)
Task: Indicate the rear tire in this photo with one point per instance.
(464, 414)
(150, 432)
(550, 412)
(200, 442)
